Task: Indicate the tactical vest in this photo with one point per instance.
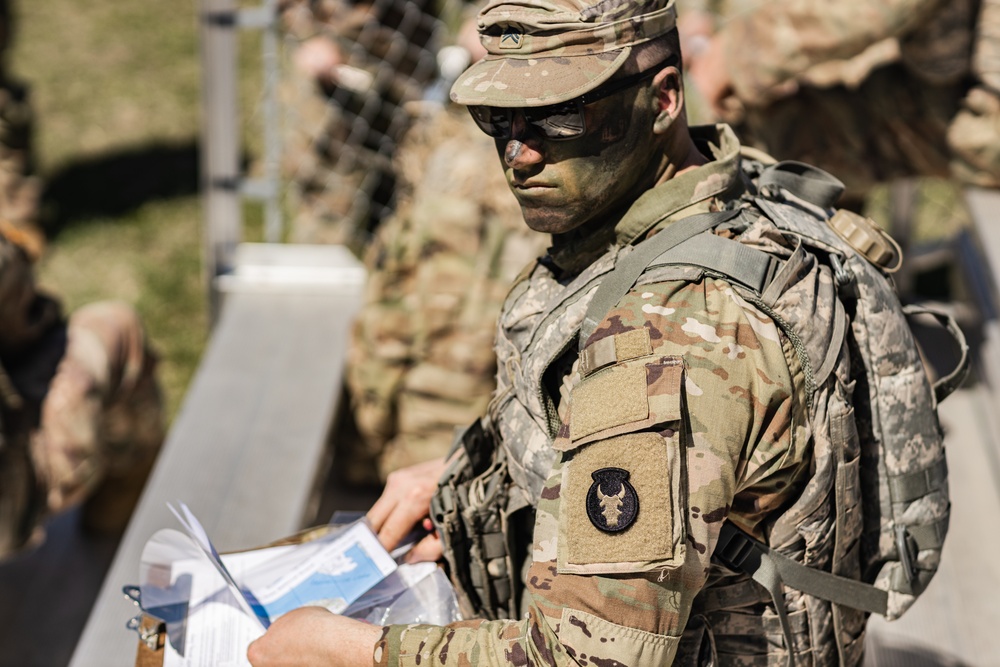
(484, 507)
(876, 508)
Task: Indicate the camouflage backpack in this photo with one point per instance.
(869, 526)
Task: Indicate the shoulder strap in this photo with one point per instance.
(741, 553)
(944, 386)
(804, 181)
(740, 263)
(617, 284)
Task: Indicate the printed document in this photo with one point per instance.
(215, 605)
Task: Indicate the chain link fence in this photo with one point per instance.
(325, 130)
(341, 132)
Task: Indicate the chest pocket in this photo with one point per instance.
(623, 498)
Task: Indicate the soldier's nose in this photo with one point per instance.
(519, 151)
(519, 155)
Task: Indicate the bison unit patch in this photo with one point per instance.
(612, 503)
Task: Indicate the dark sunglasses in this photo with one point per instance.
(557, 122)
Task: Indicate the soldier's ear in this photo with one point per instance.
(669, 96)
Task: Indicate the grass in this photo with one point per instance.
(150, 258)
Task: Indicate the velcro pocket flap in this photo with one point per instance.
(627, 397)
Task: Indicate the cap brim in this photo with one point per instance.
(500, 81)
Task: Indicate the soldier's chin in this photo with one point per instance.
(549, 220)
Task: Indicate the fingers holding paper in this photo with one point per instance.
(314, 637)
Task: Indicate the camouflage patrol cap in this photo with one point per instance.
(542, 52)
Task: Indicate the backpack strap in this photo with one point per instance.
(943, 387)
(617, 284)
(804, 181)
(742, 553)
(736, 261)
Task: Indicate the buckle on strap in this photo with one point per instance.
(738, 551)
(734, 547)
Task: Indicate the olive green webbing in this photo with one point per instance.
(824, 585)
(617, 284)
(945, 385)
(804, 181)
(734, 260)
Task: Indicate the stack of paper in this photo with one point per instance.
(215, 605)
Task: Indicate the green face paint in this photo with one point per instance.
(562, 185)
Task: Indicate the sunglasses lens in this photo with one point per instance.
(492, 120)
(559, 121)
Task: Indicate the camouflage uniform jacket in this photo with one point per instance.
(789, 37)
(685, 385)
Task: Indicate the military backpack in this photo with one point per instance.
(879, 488)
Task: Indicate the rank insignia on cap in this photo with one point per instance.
(511, 39)
(612, 503)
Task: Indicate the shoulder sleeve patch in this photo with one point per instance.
(614, 349)
(598, 355)
(633, 344)
(622, 506)
(610, 398)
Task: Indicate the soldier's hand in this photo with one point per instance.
(314, 637)
(404, 504)
(318, 57)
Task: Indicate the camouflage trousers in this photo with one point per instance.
(893, 125)
(91, 422)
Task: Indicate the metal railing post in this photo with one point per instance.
(272, 125)
(220, 172)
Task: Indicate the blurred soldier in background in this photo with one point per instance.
(422, 361)
(19, 191)
(80, 409)
(871, 91)
(353, 64)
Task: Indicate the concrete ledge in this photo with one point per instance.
(248, 450)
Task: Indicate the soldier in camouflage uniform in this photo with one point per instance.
(80, 408)
(353, 65)
(872, 91)
(686, 400)
(421, 362)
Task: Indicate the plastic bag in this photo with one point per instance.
(418, 593)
